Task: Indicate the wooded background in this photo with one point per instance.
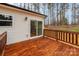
(58, 13)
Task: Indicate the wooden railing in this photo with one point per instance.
(66, 36)
(3, 39)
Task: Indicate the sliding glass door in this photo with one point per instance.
(36, 28)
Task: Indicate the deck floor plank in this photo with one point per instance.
(41, 47)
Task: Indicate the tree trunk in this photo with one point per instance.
(57, 14)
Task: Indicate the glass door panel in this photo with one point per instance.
(39, 27)
(33, 28)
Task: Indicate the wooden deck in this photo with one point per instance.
(41, 47)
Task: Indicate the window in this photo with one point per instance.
(5, 23)
(36, 28)
(5, 20)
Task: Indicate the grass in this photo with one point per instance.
(65, 28)
(75, 29)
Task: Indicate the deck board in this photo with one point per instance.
(41, 47)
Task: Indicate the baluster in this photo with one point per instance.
(69, 37)
(66, 36)
(76, 38)
(59, 35)
(63, 36)
(55, 35)
(72, 38)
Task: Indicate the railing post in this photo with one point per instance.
(43, 33)
(56, 36)
(3, 39)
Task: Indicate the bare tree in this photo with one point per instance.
(74, 14)
(77, 12)
(25, 5)
(57, 13)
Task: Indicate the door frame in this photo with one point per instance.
(36, 30)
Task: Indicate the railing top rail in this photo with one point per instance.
(61, 31)
(2, 35)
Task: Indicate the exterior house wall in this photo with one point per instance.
(20, 29)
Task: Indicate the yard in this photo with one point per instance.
(74, 28)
